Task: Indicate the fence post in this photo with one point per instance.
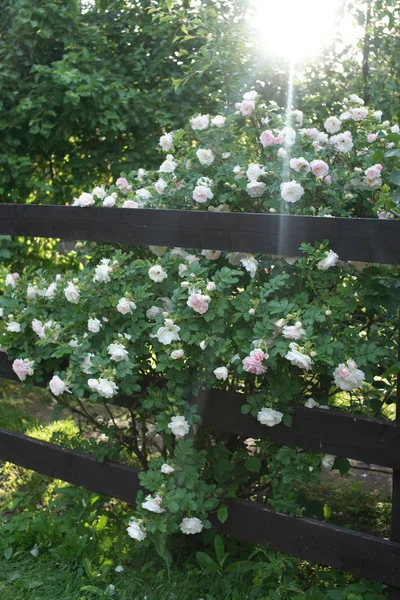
(394, 593)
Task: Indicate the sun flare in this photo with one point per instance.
(294, 28)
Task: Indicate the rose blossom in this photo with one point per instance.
(125, 306)
(84, 200)
(177, 354)
(102, 271)
(13, 327)
(50, 293)
(205, 156)
(200, 122)
(211, 287)
(319, 168)
(99, 192)
(169, 165)
(37, 327)
(343, 141)
(109, 201)
(168, 333)
(157, 273)
(358, 114)
(143, 194)
(86, 365)
(123, 185)
(297, 358)
(293, 332)
(371, 137)
(23, 367)
(250, 264)
(254, 171)
(94, 325)
(134, 531)
(130, 204)
(72, 293)
(255, 189)
(11, 280)
(297, 164)
(291, 191)
(211, 254)
(252, 363)
(198, 302)
(311, 403)
(160, 186)
(190, 526)
(203, 345)
(106, 388)
(269, 417)
(246, 107)
(374, 172)
(167, 469)
(202, 193)
(166, 141)
(332, 124)
(329, 261)
(221, 373)
(179, 426)
(153, 504)
(347, 377)
(356, 99)
(117, 352)
(218, 121)
(58, 386)
(267, 138)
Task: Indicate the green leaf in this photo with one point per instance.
(395, 177)
(219, 549)
(210, 566)
(8, 552)
(342, 465)
(222, 513)
(377, 157)
(253, 464)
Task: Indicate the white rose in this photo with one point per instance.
(250, 264)
(72, 293)
(297, 358)
(117, 352)
(328, 460)
(109, 201)
(99, 192)
(378, 115)
(169, 165)
(160, 186)
(125, 306)
(153, 505)
(157, 273)
(143, 194)
(269, 417)
(135, 532)
(179, 426)
(13, 327)
(166, 469)
(50, 293)
(221, 373)
(106, 388)
(84, 200)
(202, 193)
(94, 325)
(329, 261)
(347, 377)
(37, 327)
(218, 121)
(211, 254)
(358, 114)
(255, 189)
(102, 271)
(203, 345)
(297, 164)
(87, 364)
(177, 354)
(166, 141)
(332, 124)
(93, 383)
(289, 136)
(58, 386)
(291, 191)
(252, 95)
(168, 333)
(191, 526)
(319, 168)
(293, 332)
(200, 122)
(206, 157)
(343, 142)
(311, 403)
(254, 171)
(153, 312)
(356, 99)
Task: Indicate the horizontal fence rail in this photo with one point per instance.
(369, 240)
(317, 430)
(312, 540)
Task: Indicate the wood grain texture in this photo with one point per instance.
(78, 468)
(370, 240)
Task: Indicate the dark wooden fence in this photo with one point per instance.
(370, 440)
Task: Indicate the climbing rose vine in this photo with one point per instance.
(164, 326)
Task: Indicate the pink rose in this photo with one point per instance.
(22, 368)
(123, 185)
(15, 276)
(328, 180)
(267, 138)
(373, 172)
(252, 365)
(247, 107)
(371, 137)
(257, 354)
(198, 302)
(279, 139)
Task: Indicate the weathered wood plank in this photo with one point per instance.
(359, 553)
(78, 468)
(370, 240)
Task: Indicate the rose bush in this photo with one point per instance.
(162, 325)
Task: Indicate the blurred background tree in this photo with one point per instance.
(86, 88)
